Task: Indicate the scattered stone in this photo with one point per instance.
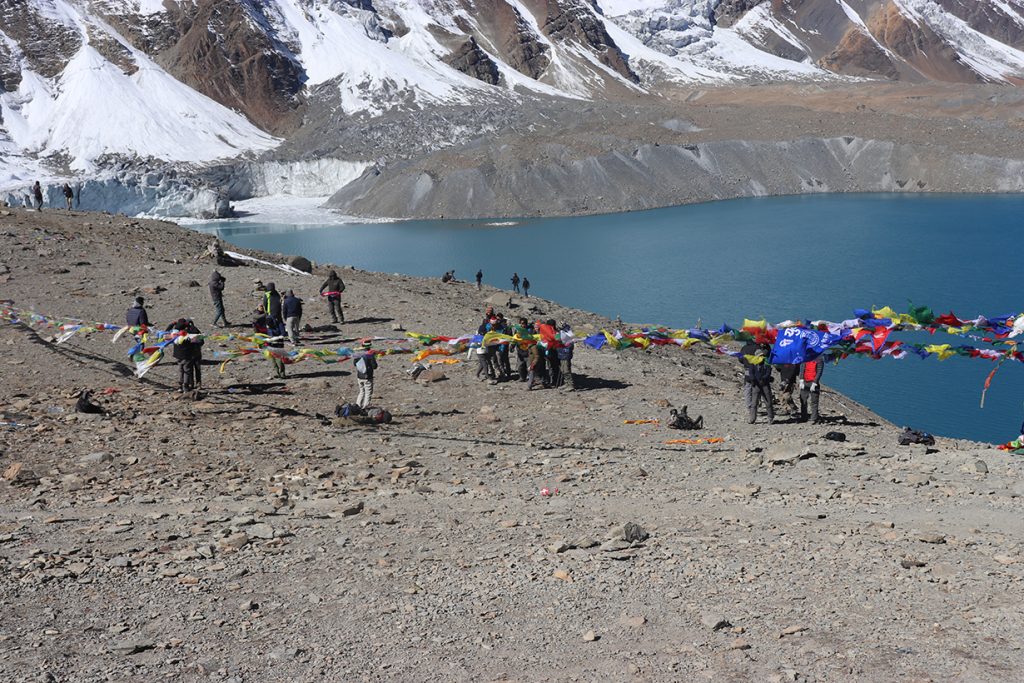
(911, 563)
(301, 263)
(262, 530)
(714, 621)
(793, 630)
(590, 636)
(353, 509)
(130, 647)
(19, 475)
(980, 467)
(562, 575)
(431, 375)
(739, 644)
(936, 539)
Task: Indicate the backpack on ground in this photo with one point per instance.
(379, 415)
(912, 436)
(347, 410)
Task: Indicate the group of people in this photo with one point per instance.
(536, 365)
(449, 278)
(276, 315)
(34, 196)
(757, 384)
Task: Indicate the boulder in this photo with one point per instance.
(301, 263)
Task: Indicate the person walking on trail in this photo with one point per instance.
(365, 363)
(69, 195)
(332, 289)
(272, 307)
(526, 288)
(188, 351)
(810, 389)
(479, 279)
(486, 356)
(515, 282)
(136, 315)
(759, 375)
(217, 295)
(37, 194)
(292, 307)
(535, 367)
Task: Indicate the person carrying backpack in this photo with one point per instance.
(69, 194)
(479, 278)
(188, 351)
(216, 284)
(365, 364)
(332, 289)
(526, 288)
(272, 307)
(759, 376)
(515, 282)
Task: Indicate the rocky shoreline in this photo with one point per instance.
(248, 536)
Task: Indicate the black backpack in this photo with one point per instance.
(912, 436)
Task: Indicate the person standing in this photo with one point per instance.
(69, 195)
(272, 307)
(136, 315)
(535, 366)
(37, 193)
(188, 351)
(565, 352)
(479, 278)
(292, 308)
(366, 363)
(526, 288)
(810, 389)
(523, 331)
(332, 289)
(787, 380)
(217, 295)
(759, 374)
(515, 282)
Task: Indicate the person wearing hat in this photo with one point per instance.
(136, 315)
(759, 376)
(216, 284)
(365, 364)
(188, 351)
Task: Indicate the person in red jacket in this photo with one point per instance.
(810, 389)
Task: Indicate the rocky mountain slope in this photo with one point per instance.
(89, 85)
(243, 538)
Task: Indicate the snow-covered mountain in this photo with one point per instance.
(85, 82)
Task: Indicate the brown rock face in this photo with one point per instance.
(988, 18)
(858, 55)
(728, 12)
(919, 46)
(471, 60)
(568, 20)
(47, 44)
(505, 32)
(222, 54)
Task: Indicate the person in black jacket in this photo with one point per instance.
(759, 375)
(217, 295)
(137, 315)
(292, 309)
(188, 351)
(272, 307)
(332, 289)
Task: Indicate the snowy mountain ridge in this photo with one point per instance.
(198, 81)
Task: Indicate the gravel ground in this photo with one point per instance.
(241, 537)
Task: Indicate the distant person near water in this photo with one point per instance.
(216, 284)
(37, 194)
(515, 282)
(332, 288)
(479, 278)
(526, 288)
(69, 195)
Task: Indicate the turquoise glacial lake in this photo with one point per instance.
(808, 257)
